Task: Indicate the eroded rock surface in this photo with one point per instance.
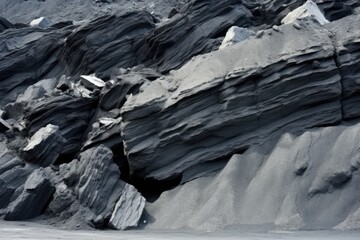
(295, 182)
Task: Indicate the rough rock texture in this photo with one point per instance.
(45, 146)
(99, 186)
(235, 35)
(70, 114)
(34, 198)
(28, 55)
(347, 45)
(296, 182)
(106, 43)
(80, 10)
(148, 125)
(223, 102)
(194, 30)
(308, 10)
(13, 174)
(128, 209)
(93, 184)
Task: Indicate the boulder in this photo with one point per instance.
(70, 114)
(99, 186)
(128, 209)
(41, 22)
(45, 146)
(92, 82)
(235, 35)
(34, 198)
(308, 10)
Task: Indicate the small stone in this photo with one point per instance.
(297, 26)
(259, 34)
(276, 28)
(92, 82)
(42, 22)
(64, 83)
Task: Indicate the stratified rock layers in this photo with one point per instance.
(225, 101)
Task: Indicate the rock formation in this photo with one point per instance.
(197, 114)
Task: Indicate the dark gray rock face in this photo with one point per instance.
(27, 55)
(194, 30)
(70, 114)
(106, 43)
(45, 146)
(223, 102)
(4, 126)
(108, 134)
(95, 182)
(348, 60)
(99, 186)
(294, 182)
(34, 198)
(13, 174)
(5, 24)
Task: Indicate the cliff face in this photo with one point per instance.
(95, 114)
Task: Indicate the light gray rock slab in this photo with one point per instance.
(45, 146)
(128, 210)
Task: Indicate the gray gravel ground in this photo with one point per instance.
(33, 231)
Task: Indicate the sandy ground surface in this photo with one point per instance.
(32, 231)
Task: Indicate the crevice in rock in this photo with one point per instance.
(151, 189)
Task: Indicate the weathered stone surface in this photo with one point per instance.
(99, 186)
(70, 114)
(13, 174)
(106, 134)
(347, 39)
(34, 198)
(41, 22)
(45, 146)
(106, 43)
(308, 10)
(92, 82)
(128, 209)
(225, 101)
(235, 35)
(4, 24)
(295, 182)
(28, 55)
(194, 30)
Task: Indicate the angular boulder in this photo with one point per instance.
(34, 198)
(128, 209)
(71, 114)
(92, 82)
(308, 10)
(235, 35)
(99, 186)
(41, 22)
(45, 146)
